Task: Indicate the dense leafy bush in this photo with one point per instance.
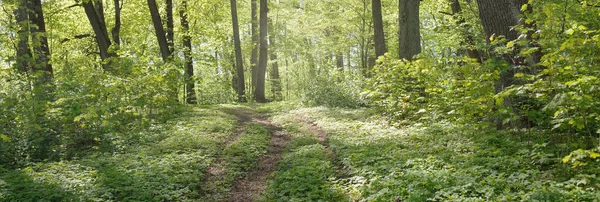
(425, 89)
(85, 113)
(333, 91)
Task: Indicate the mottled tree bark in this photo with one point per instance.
(409, 29)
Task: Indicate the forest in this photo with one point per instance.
(299, 100)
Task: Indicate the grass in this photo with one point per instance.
(365, 159)
(306, 171)
(167, 162)
(447, 162)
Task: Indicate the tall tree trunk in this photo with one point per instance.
(472, 52)
(276, 86)
(263, 56)
(159, 30)
(239, 63)
(24, 55)
(498, 17)
(409, 32)
(116, 30)
(190, 88)
(378, 34)
(255, 44)
(33, 52)
(94, 13)
(170, 26)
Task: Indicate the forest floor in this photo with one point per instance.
(286, 152)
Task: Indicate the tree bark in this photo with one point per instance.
(170, 26)
(96, 17)
(498, 17)
(378, 34)
(24, 55)
(255, 44)
(239, 63)
(190, 88)
(409, 31)
(159, 30)
(276, 83)
(116, 30)
(263, 56)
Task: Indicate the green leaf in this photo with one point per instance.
(4, 138)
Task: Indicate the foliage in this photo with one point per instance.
(306, 171)
(245, 151)
(329, 91)
(448, 162)
(432, 90)
(166, 162)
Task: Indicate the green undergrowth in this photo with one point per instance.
(443, 162)
(239, 157)
(167, 162)
(244, 152)
(306, 172)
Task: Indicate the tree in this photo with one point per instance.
(159, 30)
(190, 88)
(498, 18)
(116, 30)
(33, 56)
(276, 83)
(378, 35)
(239, 64)
(408, 29)
(255, 44)
(263, 56)
(94, 11)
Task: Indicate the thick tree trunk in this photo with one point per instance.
(190, 96)
(255, 44)
(33, 52)
(276, 83)
(24, 55)
(263, 56)
(409, 31)
(159, 30)
(239, 63)
(380, 47)
(498, 17)
(96, 17)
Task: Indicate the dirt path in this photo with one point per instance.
(251, 187)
